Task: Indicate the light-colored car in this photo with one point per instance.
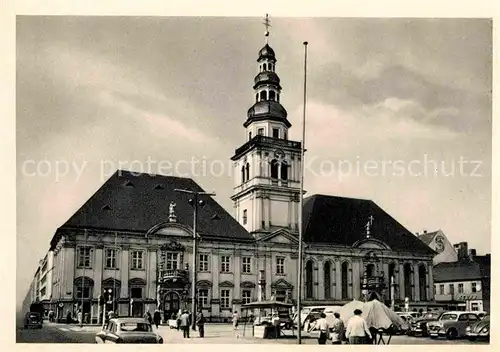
(452, 325)
(128, 330)
(479, 330)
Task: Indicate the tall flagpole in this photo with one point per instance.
(301, 204)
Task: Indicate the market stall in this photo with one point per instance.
(266, 325)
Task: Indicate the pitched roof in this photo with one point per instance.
(341, 221)
(427, 237)
(463, 270)
(137, 201)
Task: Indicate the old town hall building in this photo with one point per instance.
(131, 242)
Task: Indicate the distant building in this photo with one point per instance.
(437, 241)
(464, 284)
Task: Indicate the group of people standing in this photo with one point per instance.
(183, 321)
(355, 333)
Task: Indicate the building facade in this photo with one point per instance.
(129, 248)
(465, 283)
(437, 241)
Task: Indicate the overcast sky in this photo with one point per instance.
(95, 91)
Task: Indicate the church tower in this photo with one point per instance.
(267, 165)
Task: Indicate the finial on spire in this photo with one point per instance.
(267, 24)
(369, 225)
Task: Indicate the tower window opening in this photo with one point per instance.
(249, 135)
(285, 135)
(263, 95)
(247, 169)
(265, 67)
(242, 174)
(278, 98)
(256, 97)
(274, 169)
(284, 171)
(276, 133)
(271, 67)
(245, 217)
(260, 131)
(272, 95)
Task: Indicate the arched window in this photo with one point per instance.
(249, 135)
(274, 169)
(272, 95)
(309, 279)
(328, 282)
(407, 280)
(256, 97)
(422, 282)
(285, 135)
(345, 281)
(248, 171)
(263, 95)
(370, 270)
(284, 171)
(278, 98)
(271, 67)
(265, 67)
(242, 174)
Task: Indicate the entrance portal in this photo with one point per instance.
(171, 304)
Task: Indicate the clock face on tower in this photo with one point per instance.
(279, 154)
(439, 244)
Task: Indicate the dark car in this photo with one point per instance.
(479, 329)
(128, 330)
(418, 327)
(33, 320)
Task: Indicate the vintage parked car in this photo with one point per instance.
(418, 327)
(128, 330)
(33, 319)
(479, 330)
(452, 325)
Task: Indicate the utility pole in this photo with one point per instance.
(301, 205)
(194, 203)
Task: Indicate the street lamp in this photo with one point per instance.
(194, 203)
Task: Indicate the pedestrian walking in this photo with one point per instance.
(51, 316)
(337, 329)
(179, 313)
(200, 322)
(357, 330)
(157, 318)
(323, 328)
(235, 320)
(185, 322)
(80, 316)
(69, 318)
(148, 317)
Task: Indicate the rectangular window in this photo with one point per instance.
(203, 298)
(137, 260)
(136, 292)
(244, 217)
(203, 264)
(276, 133)
(460, 288)
(246, 267)
(473, 287)
(111, 255)
(280, 266)
(441, 289)
(224, 263)
(260, 131)
(172, 261)
(286, 136)
(246, 296)
(225, 300)
(474, 307)
(452, 289)
(85, 257)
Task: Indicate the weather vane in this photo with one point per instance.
(267, 24)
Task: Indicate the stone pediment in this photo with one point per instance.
(170, 229)
(280, 236)
(247, 284)
(371, 243)
(226, 284)
(281, 284)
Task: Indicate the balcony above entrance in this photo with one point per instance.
(174, 275)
